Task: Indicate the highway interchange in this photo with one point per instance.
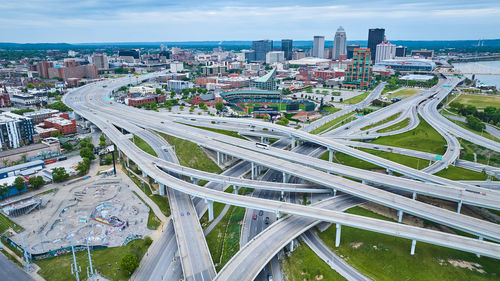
(90, 99)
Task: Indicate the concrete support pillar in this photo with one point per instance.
(330, 155)
(334, 192)
(337, 234)
(253, 170)
(225, 158)
(218, 158)
(293, 142)
(278, 215)
(282, 194)
(236, 189)
(144, 174)
(285, 177)
(210, 204)
(161, 189)
(480, 238)
(363, 181)
(292, 244)
(388, 171)
(413, 243)
(128, 162)
(262, 139)
(459, 206)
(400, 216)
(414, 197)
(195, 181)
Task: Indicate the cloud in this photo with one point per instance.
(149, 20)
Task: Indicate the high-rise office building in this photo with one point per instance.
(339, 43)
(401, 51)
(287, 46)
(100, 61)
(350, 49)
(261, 48)
(385, 51)
(318, 50)
(375, 37)
(358, 72)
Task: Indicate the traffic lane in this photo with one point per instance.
(11, 271)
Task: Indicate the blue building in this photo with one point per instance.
(261, 48)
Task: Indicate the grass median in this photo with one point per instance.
(332, 124)
(385, 257)
(144, 146)
(422, 138)
(357, 99)
(304, 264)
(191, 155)
(388, 119)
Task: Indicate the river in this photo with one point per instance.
(486, 79)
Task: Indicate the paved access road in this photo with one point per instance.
(11, 271)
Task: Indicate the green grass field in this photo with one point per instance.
(304, 264)
(220, 131)
(162, 203)
(224, 240)
(6, 223)
(357, 99)
(423, 138)
(404, 93)
(479, 101)
(105, 261)
(396, 126)
(457, 173)
(331, 109)
(332, 124)
(388, 119)
(348, 160)
(384, 257)
(144, 146)
(191, 155)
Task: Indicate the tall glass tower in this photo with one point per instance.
(339, 43)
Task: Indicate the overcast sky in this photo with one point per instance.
(78, 21)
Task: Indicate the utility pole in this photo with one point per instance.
(90, 263)
(74, 266)
(27, 266)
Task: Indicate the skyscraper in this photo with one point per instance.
(401, 51)
(261, 48)
(350, 49)
(358, 72)
(101, 61)
(375, 37)
(385, 51)
(287, 46)
(318, 50)
(339, 43)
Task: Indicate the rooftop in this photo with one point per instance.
(266, 77)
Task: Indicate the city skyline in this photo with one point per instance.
(151, 21)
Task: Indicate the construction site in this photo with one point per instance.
(104, 212)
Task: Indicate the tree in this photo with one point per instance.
(159, 91)
(36, 182)
(19, 183)
(129, 263)
(219, 105)
(102, 141)
(83, 166)
(86, 152)
(475, 123)
(59, 174)
(55, 134)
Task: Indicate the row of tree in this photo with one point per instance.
(489, 114)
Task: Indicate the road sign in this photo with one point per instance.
(439, 157)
